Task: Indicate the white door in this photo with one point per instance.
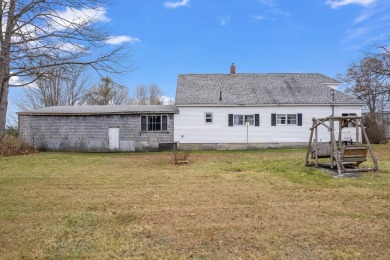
(113, 138)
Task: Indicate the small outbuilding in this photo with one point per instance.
(99, 128)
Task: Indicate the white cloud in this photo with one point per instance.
(15, 81)
(172, 5)
(362, 18)
(355, 33)
(64, 19)
(69, 47)
(368, 40)
(269, 3)
(223, 21)
(277, 12)
(60, 20)
(370, 27)
(114, 40)
(168, 100)
(257, 17)
(339, 3)
(271, 15)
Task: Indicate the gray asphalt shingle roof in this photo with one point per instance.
(106, 109)
(257, 89)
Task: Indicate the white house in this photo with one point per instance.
(235, 111)
(213, 111)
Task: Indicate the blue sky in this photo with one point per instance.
(169, 38)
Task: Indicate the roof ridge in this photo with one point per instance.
(257, 73)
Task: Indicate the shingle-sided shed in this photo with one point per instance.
(98, 128)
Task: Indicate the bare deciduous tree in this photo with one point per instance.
(38, 34)
(62, 88)
(385, 56)
(121, 95)
(148, 95)
(107, 93)
(155, 95)
(369, 82)
(141, 95)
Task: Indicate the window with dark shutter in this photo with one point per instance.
(143, 123)
(230, 119)
(273, 119)
(299, 119)
(257, 120)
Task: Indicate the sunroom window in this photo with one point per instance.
(154, 123)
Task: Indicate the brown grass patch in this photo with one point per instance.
(249, 204)
(12, 146)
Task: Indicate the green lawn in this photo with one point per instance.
(248, 204)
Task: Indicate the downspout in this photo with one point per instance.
(332, 102)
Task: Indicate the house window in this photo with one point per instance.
(154, 123)
(208, 117)
(250, 119)
(348, 114)
(238, 119)
(286, 119)
(242, 119)
(281, 119)
(292, 119)
(350, 124)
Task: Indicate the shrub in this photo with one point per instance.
(180, 157)
(12, 146)
(375, 128)
(12, 130)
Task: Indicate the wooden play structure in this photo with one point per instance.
(343, 151)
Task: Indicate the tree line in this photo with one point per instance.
(72, 87)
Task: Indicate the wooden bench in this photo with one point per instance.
(323, 150)
(354, 154)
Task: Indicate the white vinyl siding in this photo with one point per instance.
(190, 124)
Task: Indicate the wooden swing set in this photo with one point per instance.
(344, 154)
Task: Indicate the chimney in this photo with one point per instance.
(233, 69)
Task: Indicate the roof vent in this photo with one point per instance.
(233, 69)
